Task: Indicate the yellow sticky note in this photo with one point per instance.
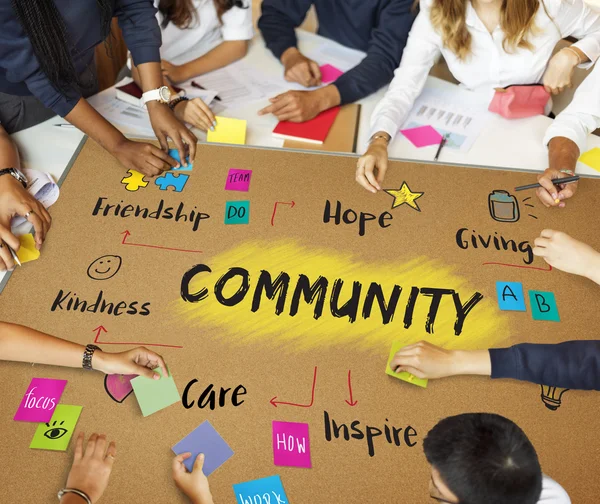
(404, 376)
(591, 158)
(228, 130)
(27, 252)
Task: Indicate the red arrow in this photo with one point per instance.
(291, 203)
(312, 398)
(350, 402)
(101, 328)
(126, 234)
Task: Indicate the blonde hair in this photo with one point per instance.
(516, 20)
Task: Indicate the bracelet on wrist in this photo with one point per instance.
(75, 491)
(570, 49)
(176, 101)
(568, 172)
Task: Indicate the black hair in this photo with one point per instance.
(182, 12)
(47, 33)
(485, 458)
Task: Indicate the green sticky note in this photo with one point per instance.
(403, 375)
(154, 395)
(237, 212)
(543, 306)
(56, 434)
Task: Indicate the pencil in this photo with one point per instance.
(442, 143)
(12, 253)
(558, 181)
(196, 85)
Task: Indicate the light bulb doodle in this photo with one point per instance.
(552, 396)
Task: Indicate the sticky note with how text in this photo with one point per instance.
(228, 130)
(154, 395)
(510, 296)
(403, 375)
(40, 400)
(237, 212)
(27, 252)
(291, 444)
(591, 158)
(261, 491)
(57, 432)
(543, 306)
(204, 439)
(422, 136)
(238, 180)
(329, 73)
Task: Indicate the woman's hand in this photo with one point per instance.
(143, 157)
(166, 125)
(197, 113)
(371, 167)
(91, 470)
(193, 484)
(551, 195)
(139, 361)
(174, 73)
(559, 71)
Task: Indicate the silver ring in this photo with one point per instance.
(28, 214)
(111, 456)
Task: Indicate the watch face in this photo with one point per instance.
(165, 94)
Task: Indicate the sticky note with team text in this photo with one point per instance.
(228, 130)
(40, 400)
(27, 252)
(238, 180)
(403, 375)
(154, 395)
(57, 432)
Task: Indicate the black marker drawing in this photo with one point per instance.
(552, 396)
(105, 267)
(504, 207)
(55, 432)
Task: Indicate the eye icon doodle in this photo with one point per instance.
(55, 432)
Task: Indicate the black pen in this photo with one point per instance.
(558, 181)
(196, 85)
(442, 143)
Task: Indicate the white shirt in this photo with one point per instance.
(205, 32)
(582, 116)
(552, 492)
(488, 66)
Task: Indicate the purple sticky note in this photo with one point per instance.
(40, 400)
(238, 180)
(204, 439)
(291, 444)
(422, 136)
(329, 73)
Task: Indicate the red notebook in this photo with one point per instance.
(313, 131)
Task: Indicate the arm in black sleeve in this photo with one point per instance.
(573, 364)
(278, 20)
(137, 20)
(387, 43)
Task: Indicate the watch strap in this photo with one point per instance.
(87, 356)
(16, 174)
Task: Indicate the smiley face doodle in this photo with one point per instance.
(105, 267)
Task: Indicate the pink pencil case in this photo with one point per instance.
(516, 102)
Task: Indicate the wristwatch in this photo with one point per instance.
(162, 95)
(88, 354)
(15, 173)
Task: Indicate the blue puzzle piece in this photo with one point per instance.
(543, 306)
(510, 296)
(169, 179)
(174, 153)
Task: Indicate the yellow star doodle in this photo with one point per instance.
(405, 195)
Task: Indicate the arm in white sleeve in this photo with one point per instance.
(576, 19)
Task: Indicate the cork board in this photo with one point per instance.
(281, 359)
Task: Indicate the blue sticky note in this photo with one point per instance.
(543, 306)
(237, 212)
(174, 153)
(255, 491)
(510, 296)
(204, 439)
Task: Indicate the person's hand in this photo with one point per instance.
(16, 200)
(175, 73)
(372, 165)
(193, 484)
(139, 361)
(143, 157)
(300, 69)
(7, 263)
(549, 193)
(197, 113)
(91, 470)
(166, 125)
(295, 106)
(559, 72)
(567, 254)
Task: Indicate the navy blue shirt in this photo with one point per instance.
(378, 27)
(573, 364)
(20, 72)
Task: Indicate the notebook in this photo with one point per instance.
(313, 131)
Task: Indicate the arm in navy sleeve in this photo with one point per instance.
(278, 20)
(387, 43)
(137, 20)
(573, 364)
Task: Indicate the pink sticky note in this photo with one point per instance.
(291, 444)
(329, 73)
(422, 136)
(40, 400)
(238, 180)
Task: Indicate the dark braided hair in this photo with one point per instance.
(181, 12)
(47, 33)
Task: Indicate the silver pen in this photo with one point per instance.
(13, 253)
